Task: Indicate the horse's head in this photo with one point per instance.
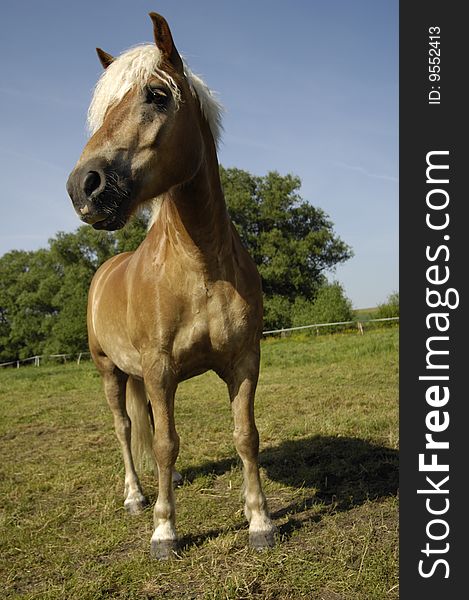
(147, 132)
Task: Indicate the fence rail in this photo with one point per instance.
(79, 355)
(357, 323)
(37, 359)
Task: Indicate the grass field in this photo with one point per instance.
(327, 413)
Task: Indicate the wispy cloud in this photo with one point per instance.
(27, 157)
(367, 173)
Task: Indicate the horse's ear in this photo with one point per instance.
(164, 41)
(104, 58)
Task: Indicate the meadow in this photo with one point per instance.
(327, 412)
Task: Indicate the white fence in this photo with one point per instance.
(359, 325)
(36, 360)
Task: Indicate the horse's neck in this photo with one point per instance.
(194, 220)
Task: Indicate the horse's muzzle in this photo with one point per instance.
(96, 198)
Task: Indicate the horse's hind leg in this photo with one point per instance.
(114, 388)
(242, 387)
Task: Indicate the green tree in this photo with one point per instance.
(28, 284)
(277, 312)
(85, 246)
(292, 242)
(76, 256)
(43, 294)
(132, 235)
(12, 265)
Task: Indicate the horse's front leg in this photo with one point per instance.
(114, 389)
(242, 388)
(161, 389)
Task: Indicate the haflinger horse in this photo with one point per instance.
(189, 299)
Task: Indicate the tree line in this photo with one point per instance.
(43, 293)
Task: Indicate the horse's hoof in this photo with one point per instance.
(163, 549)
(135, 506)
(260, 540)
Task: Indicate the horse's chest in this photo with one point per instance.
(215, 322)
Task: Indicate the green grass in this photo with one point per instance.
(327, 413)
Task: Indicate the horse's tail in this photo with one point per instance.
(141, 417)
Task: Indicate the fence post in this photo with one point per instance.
(79, 358)
(360, 328)
(17, 364)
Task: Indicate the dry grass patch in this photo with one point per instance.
(327, 414)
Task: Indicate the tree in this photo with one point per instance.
(85, 246)
(133, 234)
(28, 284)
(43, 294)
(292, 242)
(76, 256)
(12, 265)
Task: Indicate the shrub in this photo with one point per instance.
(331, 305)
(390, 308)
(277, 312)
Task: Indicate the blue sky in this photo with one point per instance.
(310, 88)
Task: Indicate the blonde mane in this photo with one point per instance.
(135, 67)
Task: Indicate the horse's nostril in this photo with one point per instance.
(91, 182)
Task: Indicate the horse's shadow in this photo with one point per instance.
(337, 473)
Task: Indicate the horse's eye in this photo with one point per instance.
(158, 96)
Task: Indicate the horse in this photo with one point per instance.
(189, 299)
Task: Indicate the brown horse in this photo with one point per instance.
(189, 298)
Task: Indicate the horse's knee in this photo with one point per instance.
(122, 426)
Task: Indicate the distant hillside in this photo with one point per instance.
(365, 313)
